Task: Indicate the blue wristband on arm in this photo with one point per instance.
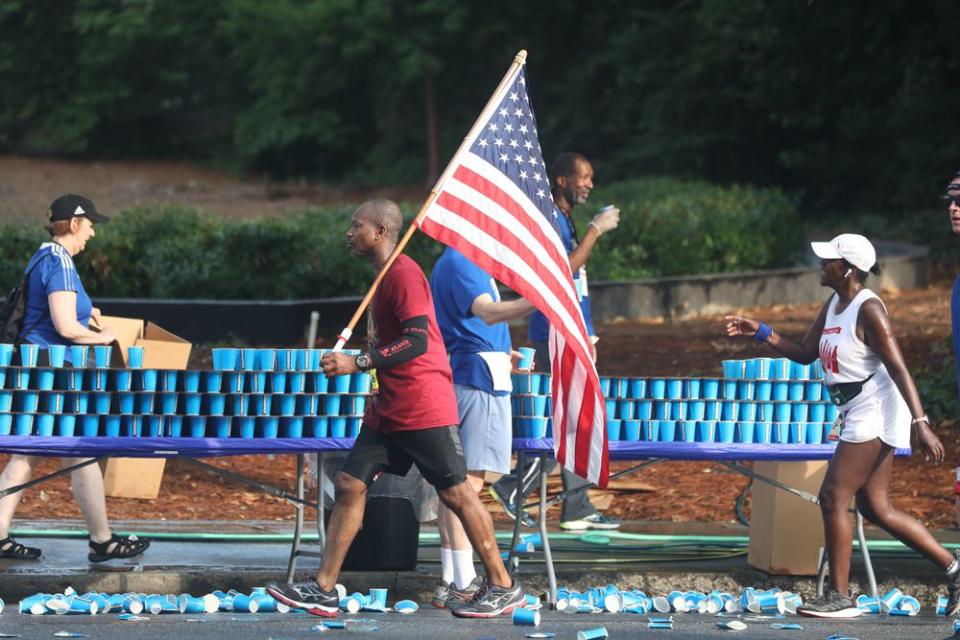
(763, 333)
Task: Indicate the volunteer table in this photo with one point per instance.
(190, 449)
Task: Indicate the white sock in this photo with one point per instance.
(463, 569)
(446, 565)
(954, 567)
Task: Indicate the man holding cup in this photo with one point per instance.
(572, 181)
(473, 323)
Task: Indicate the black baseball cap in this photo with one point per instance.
(69, 206)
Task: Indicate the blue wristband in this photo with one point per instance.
(763, 333)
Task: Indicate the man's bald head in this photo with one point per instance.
(383, 213)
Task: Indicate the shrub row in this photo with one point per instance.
(668, 227)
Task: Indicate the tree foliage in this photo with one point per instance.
(847, 104)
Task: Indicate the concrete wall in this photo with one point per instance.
(690, 296)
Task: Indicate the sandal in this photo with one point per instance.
(10, 548)
(117, 547)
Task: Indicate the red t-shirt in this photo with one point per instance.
(417, 394)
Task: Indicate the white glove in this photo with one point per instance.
(606, 220)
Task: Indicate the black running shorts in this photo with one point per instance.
(437, 452)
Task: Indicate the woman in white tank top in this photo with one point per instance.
(866, 375)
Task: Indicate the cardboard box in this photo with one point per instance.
(141, 477)
(786, 531)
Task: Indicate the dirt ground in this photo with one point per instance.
(667, 491)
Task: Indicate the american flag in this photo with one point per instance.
(493, 204)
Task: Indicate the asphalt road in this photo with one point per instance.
(433, 624)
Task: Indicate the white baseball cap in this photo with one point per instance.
(852, 247)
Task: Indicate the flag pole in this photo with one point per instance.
(347, 332)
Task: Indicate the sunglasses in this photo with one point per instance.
(951, 200)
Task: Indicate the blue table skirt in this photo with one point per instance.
(209, 447)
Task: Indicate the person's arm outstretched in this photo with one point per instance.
(804, 352)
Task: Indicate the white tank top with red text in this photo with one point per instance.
(844, 356)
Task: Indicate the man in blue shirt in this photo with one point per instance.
(472, 320)
(572, 181)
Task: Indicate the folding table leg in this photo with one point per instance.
(321, 503)
(547, 556)
(513, 561)
(298, 522)
(867, 564)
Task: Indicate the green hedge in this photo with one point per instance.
(668, 227)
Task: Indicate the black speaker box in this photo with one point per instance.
(388, 539)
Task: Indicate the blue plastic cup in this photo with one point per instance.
(291, 427)
(6, 401)
(341, 384)
(212, 381)
(725, 430)
(763, 432)
(730, 410)
(6, 355)
(643, 410)
(256, 382)
(674, 389)
(678, 411)
(21, 378)
(732, 369)
(526, 358)
(767, 411)
(91, 426)
(261, 404)
(197, 426)
(296, 382)
(746, 431)
(799, 371)
(248, 360)
(692, 390)
(266, 359)
(313, 356)
(191, 381)
(798, 432)
(269, 426)
(45, 423)
(79, 353)
(780, 433)
(101, 402)
(74, 379)
(746, 389)
(779, 369)
(750, 367)
(816, 412)
(122, 380)
(135, 357)
(540, 383)
(764, 390)
(168, 403)
(795, 393)
(168, 380)
(780, 391)
(66, 425)
(338, 426)
(45, 379)
(687, 430)
(131, 426)
(318, 426)
(239, 405)
(111, 426)
(661, 410)
(706, 430)
(730, 389)
(816, 370)
(630, 430)
(233, 382)
(125, 400)
(813, 391)
(710, 388)
(247, 427)
(830, 412)
(657, 388)
(613, 430)
(301, 360)
(101, 355)
(667, 430)
(711, 409)
(56, 354)
(636, 388)
(29, 354)
(320, 383)
(152, 426)
(331, 405)
(6, 423)
(360, 383)
(763, 368)
(80, 402)
(604, 386)
(225, 359)
(611, 406)
(782, 412)
(799, 412)
(191, 403)
(278, 382)
(286, 404)
(696, 410)
(147, 380)
(173, 426)
(219, 426)
(29, 402)
(216, 404)
(748, 411)
(814, 432)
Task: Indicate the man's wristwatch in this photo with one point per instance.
(363, 361)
